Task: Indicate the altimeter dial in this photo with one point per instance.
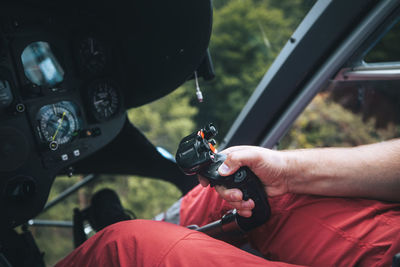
(105, 100)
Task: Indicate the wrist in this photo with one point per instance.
(294, 170)
(281, 172)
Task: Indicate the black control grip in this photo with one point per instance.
(250, 185)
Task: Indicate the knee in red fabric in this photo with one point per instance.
(127, 243)
(152, 243)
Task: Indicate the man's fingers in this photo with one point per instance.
(203, 181)
(248, 204)
(235, 198)
(230, 195)
(245, 213)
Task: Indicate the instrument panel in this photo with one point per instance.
(60, 101)
(69, 70)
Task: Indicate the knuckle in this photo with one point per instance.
(233, 160)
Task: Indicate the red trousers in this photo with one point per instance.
(303, 230)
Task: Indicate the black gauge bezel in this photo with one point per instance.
(82, 65)
(92, 88)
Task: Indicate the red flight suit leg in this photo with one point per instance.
(311, 230)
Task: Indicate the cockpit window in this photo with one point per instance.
(387, 49)
(347, 114)
(360, 105)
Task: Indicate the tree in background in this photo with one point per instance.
(325, 123)
(166, 121)
(247, 36)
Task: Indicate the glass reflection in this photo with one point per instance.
(40, 65)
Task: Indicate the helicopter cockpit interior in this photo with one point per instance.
(72, 71)
(68, 72)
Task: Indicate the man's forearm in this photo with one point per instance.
(370, 171)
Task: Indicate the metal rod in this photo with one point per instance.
(72, 189)
(50, 223)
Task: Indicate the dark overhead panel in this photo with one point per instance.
(163, 42)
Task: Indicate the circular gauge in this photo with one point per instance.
(58, 123)
(92, 56)
(104, 100)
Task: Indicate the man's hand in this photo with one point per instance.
(269, 165)
(368, 171)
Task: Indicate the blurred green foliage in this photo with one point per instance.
(57, 242)
(247, 36)
(166, 121)
(325, 123)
